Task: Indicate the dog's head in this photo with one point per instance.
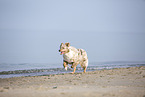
(64, 48)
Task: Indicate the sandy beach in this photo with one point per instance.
(122, 82)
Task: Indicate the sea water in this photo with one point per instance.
(37, 69)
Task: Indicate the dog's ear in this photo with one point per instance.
(61, 44)
(67, 44)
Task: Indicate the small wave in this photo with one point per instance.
(30, 71)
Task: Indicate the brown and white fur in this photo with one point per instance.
(73, 56)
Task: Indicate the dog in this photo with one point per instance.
(73, 56)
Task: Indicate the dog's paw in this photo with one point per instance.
(65, 68)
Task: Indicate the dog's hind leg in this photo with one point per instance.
(85, 69)
(84, 65)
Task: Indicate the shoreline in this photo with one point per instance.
(119, 82)
(37, 71)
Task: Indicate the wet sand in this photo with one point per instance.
(122, 82)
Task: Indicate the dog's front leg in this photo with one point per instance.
(65, 64)
(74, 66)
(74, 70)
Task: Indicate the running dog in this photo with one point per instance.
(73, 56)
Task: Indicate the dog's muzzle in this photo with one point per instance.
(61, 52)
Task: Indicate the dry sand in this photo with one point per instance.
(123, 82)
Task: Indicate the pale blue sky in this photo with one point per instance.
(109, 30)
